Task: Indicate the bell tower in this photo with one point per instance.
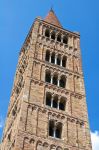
(47, 109)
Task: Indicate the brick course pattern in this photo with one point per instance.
(27, 122)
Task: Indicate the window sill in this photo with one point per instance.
(55, 109)
(54, 138)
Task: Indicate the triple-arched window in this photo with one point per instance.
(55, 79)
(56, 59)
(54, 101)
(57, 37)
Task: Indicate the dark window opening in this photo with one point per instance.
(47, 56)
(55, 102)
(65, 40)
(48, 99)
(59, 38)
(58, 60)
(53, 58)
(17, 90)
(62, 105)
(64, 61)
(47, 33)
(48, 77)
(53, 35)
(62, 82)
(51, 128)
(9, 136)
(13, 112)
(58, 130)
(55, 79)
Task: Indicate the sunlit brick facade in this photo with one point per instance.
(47, 108)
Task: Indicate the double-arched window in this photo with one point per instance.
(55, 129)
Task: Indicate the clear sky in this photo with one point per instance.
(16, 18)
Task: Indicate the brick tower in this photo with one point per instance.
(47, 108)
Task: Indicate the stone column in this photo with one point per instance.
(50, 57)
(51, 79)
(55, 59)
(61, 61)
(58, 81)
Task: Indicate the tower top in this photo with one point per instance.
(52, 18)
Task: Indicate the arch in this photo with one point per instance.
(65, 40)
(45, 144)
(58, 130)
(47, 33)
(48, 76)
(55, 101)
(26, 143)
(47, 57)
(52, 147)
(63, 81)
(62, 103)
(59, 38)
(64, 60)
(32, 141)
(53, 35)
(39, 145)
(48, 99)
(53, 58)
(59, 148)
(55, 79)
(59, 60)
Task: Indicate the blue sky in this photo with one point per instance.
(16, 18)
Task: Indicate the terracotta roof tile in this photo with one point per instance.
(52, 18)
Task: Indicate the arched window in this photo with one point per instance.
(47, 55)
(48, 76)
(58, 130)
(64, 60)
(65, 40)
(53, 35)
(55, 101)
(48, 99)
(59, 38)
(51, 128)
(53, 58)
(62, 81)
(47, 33)
(58, 60)
(55, 130)
(55, 79)
(62, 103)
